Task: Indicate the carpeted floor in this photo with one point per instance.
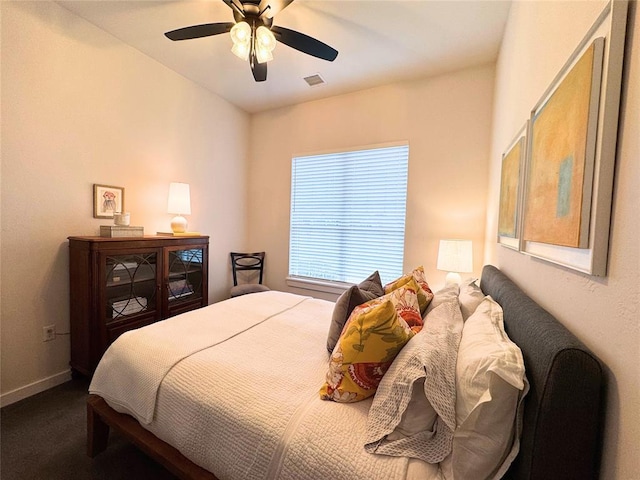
(44, 437)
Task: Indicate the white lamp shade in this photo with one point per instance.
(265, 38)
(179, 199)
(241, 33)
(263, 55)
(241, 50)
(455, 256)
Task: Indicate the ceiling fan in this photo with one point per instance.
(254, 35)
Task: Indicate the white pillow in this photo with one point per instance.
(446, 294)
(470, 297)
(490, 386)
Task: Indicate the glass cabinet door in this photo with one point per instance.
(131, 285)
(185, 271)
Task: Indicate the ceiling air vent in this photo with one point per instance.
(314, 80)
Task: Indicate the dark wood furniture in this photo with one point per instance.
(101, 417)
(118, 284)
(561, 429)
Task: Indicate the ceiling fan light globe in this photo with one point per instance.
(266, 38)
(263, 55)
(241, 50)
(241, 33)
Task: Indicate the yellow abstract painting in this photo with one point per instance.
(556, 207)
(509, 187)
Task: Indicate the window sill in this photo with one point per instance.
(318, 285)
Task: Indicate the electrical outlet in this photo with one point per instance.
(48, 333)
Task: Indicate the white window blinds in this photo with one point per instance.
(348, 214)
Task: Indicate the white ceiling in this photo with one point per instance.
(379, 42)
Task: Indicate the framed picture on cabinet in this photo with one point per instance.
(107, 200)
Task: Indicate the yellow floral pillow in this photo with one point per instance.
(372, 337)
(425, 295)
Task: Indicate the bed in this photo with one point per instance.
(286, 431)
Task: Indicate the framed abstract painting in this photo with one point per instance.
(562, 148)
(511, 181)
(571, 148)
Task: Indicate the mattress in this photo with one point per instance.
(239, 396)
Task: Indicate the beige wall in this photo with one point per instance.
(603, 312)
(446, 121)
(80, 107)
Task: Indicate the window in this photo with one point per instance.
(348, 214)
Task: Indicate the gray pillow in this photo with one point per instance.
(470, 297)
(368, 289)
(372, 284)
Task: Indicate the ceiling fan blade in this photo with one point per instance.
(198, 31)
(259, 70)
(268, 8)
(304, 43)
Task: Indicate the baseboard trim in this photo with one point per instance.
(33, 388)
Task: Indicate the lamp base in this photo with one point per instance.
(179, 224)
(453, 278)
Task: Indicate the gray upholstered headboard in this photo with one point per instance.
(563, 409)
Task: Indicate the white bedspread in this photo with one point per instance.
(247, 406)
(143, 359)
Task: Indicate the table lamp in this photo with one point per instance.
(179, 204)
(455, 256)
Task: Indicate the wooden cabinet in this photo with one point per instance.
(118, 284)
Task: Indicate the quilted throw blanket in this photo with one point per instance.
(413, 413)
(143, 358)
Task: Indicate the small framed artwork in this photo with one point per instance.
(511, 181)
(107, 200)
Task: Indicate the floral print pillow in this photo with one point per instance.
(425, 295)
(372, 337)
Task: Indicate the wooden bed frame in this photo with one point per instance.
(563, 409)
